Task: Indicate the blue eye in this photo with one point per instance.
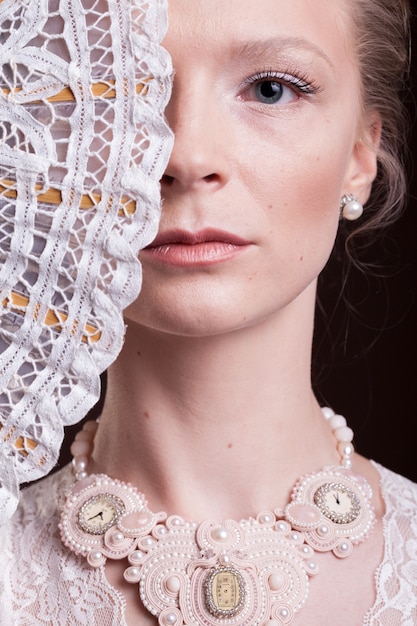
(277, 88)
(269, 91)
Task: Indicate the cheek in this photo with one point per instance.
(298, 160)
(297, 184)
(293, 175)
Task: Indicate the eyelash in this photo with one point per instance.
(302, 84)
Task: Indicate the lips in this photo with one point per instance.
(201, 236)
(204, 247)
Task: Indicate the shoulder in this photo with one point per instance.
(399, 493)
(38, 507)
(36, 518)
(396, 578)
(31, 552)
(41, 581)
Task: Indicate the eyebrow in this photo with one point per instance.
(259, 48)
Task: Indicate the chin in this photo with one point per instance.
(204, 325)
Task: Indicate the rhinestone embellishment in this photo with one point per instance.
(255, 572)
(338, 503)
(225, 592)
(99, 513)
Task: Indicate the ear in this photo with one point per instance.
(363, 164)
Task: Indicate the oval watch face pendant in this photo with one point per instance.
(99, 513)
(338, 503)
(249, 573)
(225, 592)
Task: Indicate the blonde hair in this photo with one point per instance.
(382, 32)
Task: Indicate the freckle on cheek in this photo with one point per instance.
(230, 446)
(301, 258)
(146, 415)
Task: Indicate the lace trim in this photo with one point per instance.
(42, 583)
(396, 577)
(83, 144)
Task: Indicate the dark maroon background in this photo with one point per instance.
(376, 388)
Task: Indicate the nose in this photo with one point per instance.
(198, 160)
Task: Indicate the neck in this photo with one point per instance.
(213, 427)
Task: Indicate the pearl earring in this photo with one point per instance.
(350, 208)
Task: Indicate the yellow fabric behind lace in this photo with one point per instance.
(83, 144)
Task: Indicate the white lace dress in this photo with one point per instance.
(43, 583)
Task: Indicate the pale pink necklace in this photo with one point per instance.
(250, 573)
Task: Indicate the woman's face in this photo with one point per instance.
(267, 121)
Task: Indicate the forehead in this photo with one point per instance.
(216, 24)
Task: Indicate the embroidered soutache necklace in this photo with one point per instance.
(254, 572)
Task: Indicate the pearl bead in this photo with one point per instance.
(337, 421)
(173, 584)
(224, 559)
(132, 574)
(285, 521)
(81, 448)
(136, 556)
(148, 541)
(276, 581)
(83, 435)
(170, 619)
(323, 530)
(345, 448)
(327, 412)
(220, 535)
(343, 434)
(352, 210)
(80, 463)
(91, 426)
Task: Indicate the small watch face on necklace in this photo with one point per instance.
(94, 505)
(337, 502)
(99, 513)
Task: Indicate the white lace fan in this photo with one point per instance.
(83, 144)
